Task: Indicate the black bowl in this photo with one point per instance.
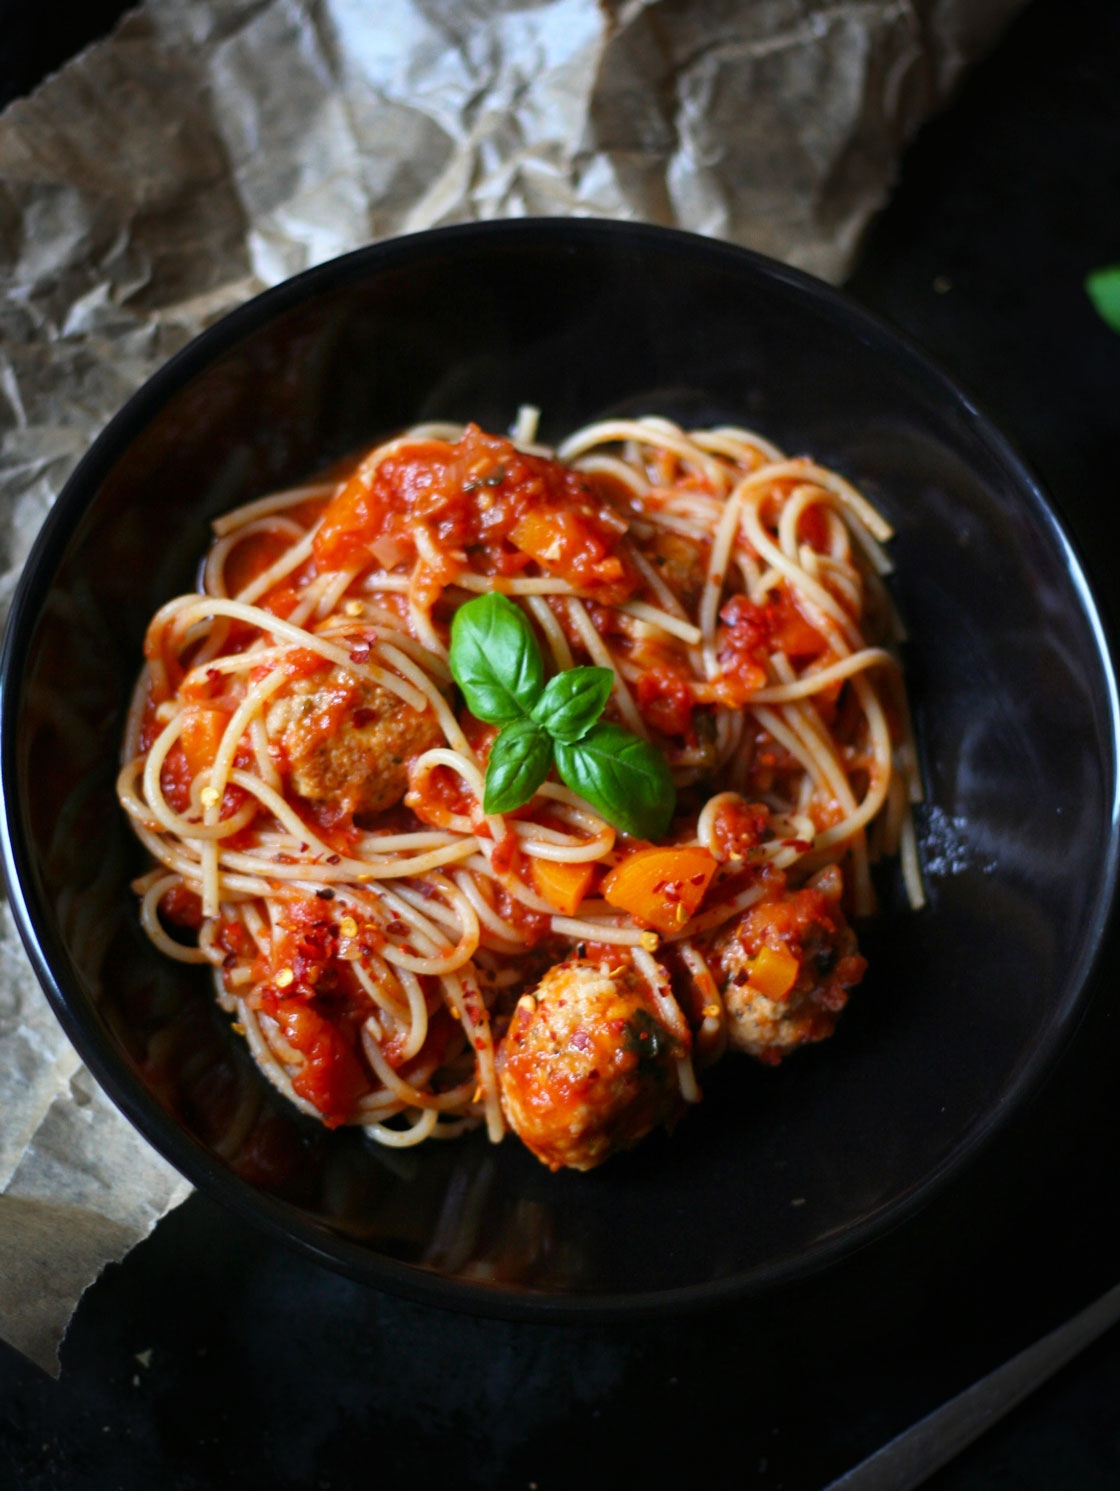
(968, 1001)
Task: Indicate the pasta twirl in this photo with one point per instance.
(309, 783)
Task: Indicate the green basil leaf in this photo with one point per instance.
(1103, 289)
(519, 762)
(573, 701)
(495, 659)
(623, 777)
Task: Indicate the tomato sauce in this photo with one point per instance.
(740, 827)
(664, 698)
(332, 1077)
(493, 508)
(182, 907)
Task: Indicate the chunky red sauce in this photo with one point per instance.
(493, 507)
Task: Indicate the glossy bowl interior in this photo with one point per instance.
(966, 1002)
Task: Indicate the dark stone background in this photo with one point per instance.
(267, 1371)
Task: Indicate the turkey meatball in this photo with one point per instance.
(586, 1067)
(785, 968)
(348, 741)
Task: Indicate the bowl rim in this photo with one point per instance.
(331, 1248)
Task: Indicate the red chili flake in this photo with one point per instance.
(334, 859)
(364, 717)
(326, 894)
(359, 653)
(697, 880)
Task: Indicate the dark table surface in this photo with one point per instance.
(213, 1357)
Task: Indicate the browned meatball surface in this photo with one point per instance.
(817, 961)
(586, 1067)
(348, 741)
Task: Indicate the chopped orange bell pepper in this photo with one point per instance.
(567, 545)
(661, 888)
(562, 885)
(773, 972)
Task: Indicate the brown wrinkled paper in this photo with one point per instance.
(211, 148)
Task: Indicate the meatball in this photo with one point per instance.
(586, 1066)
(785, 967)
(348, 741)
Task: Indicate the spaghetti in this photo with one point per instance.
(309, 783)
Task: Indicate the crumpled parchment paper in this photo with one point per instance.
(211, 148)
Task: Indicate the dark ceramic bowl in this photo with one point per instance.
(967, 1002)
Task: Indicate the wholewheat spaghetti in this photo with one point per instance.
(309, 784)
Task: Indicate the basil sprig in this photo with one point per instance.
(497, 664)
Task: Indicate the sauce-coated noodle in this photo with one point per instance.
(308, 782)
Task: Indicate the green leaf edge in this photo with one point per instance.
(638, 827)
(1103, 288)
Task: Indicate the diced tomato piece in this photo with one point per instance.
(353, 520)
(234, 937)
(567, 544)
(744, 645)
(331, 1078)
(175, 779)
(739, 827)
(414, 482)
(181, 906)
(665, 700)
(812, 527)
(792, 634)
(203, 729)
